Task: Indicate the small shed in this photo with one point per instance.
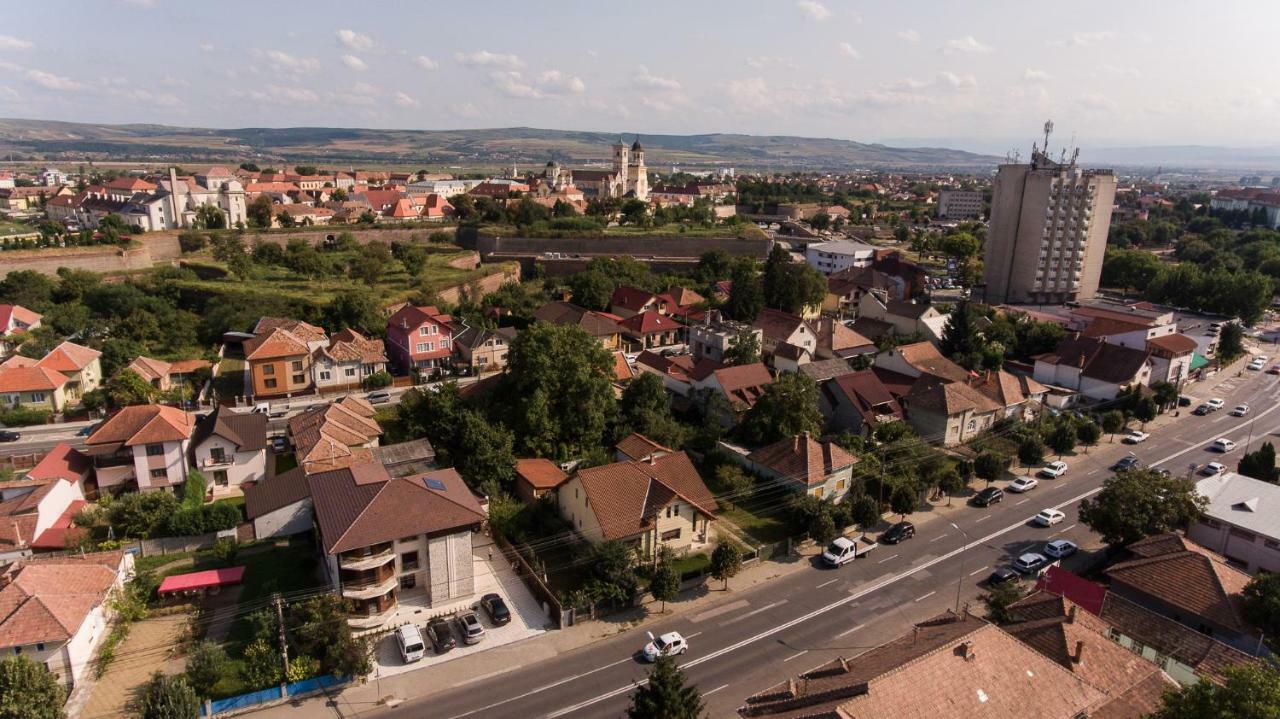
(209, 581)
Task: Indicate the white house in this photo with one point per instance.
(1242, 522)
(836, 255)
(230, 448)
(1096, 369)
(143, 446)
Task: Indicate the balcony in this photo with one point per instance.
(357, 562)
(210, 462)
(374, 615)
(369, 590)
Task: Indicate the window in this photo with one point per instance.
(671, 534)
(299, 379)
(350, 372)
(420, 347)
(220, 478)
(39, 646)
(429, 345)
(817, 492)
(218, 454)
(422, 330)
(17, 650)
(409, 581)
(445, 343)
(409, 561)
(269, 384)
(268, 369)
(435, 330)
(324, 376)
(157, 473)
(37, 396)
(155, 450)
(840, 484)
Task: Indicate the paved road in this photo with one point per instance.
(756, 638)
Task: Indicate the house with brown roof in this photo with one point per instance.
(639, 448)
(484, 350)
(164, 375)
(650, 330)
(778, 329)
(954, 665)
(1096, 369)
(537, 477)
(1171, 357)
(949, 413)
(659, 502)
(819, 468)
(24, 384)
(230, 448)
(280, 506)
(79, 364)
(335, 435)
(839, 341)
(54, 610)
(346, 361)
(596, 324)
(1177, 578)
(279, 363)
(919, 359)
(143, 447)
(1016, 395)
(741, 386)
(36, 511)
(856, 402)
(14, 321)
(680, 374)
(627, 301)
(905, 316)
(391, 540)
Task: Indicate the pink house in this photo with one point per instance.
(419, 338)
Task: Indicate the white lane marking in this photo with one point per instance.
(1019, 504)
(797, 654)
(553, 685)
(984, 518)
(1064, 529)
(940, 536)
(855, 628)
(713, 691)
(691, 636)
(722, 609)
(891, 556)
(926, 596)
(983, 568)
(828, 583)
(753, 612)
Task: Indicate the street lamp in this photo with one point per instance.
(963, 550)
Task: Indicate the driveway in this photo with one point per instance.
(148, 649)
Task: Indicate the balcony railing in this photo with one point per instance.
(371, 620)
(369, 589)
(216, 461)
(367, 561)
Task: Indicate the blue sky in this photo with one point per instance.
(981, 74)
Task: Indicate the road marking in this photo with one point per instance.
(940, 536)
(930, 594)
(1019, 504)
(553, 685)
(691, 636)
(753, 612)
(797, 654)
(983, 568)
(828, 583)
(722, 609)
(891, 556)
(984, 517)
(713, 691)
(855, 628)
(1064, 529)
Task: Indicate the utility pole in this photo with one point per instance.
(284, 646)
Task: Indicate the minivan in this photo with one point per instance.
(378, 397)
(409, 639)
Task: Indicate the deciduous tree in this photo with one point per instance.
(1140, 503)
(1113, 422)
(168, 697)
(665, 695)
(29, 690)
(726, 560)
(665, 583)
(788, 407)
(1250, 692)
(1260, 464)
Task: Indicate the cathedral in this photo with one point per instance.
(627, 178)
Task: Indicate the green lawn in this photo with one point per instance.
(690, 563)
(765, 522)
(285, 462)
(9, 228)
(230, 379)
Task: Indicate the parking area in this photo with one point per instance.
(527, 617)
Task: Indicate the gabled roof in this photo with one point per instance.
(351, 346)
(302, 330)
(362, 505)
(778, 326)
(69, 357)
(927, 359)
(143, 424)
(804, 458)
(1176, 343)
(621, 368)
(30, 379)
(683, 296)
(62, 462)
(1184, 575)
(246, 430)
(743, 384)
(868, 394)
(540, 473)
(649, 322)
(281, 490)
(410, 317)
(565, 313)
(1097, 359)
(949, 398)
(1244, 502)
(332, 436)
(631, 298)
(637, 446)
(275, 344)
(908, 309)
(1007, 389)
(47, 600)
(626, 496)
(9, 313)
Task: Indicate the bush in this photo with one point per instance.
(185, 522)
(221, 515)
(24, 416)
(226, 550)
(377, 380)
(206, 664)
(192, 241)
(142, 515)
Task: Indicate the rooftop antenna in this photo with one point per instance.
(1048, 130)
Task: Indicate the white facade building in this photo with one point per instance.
(836, 255)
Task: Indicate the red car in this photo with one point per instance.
(1275, 369)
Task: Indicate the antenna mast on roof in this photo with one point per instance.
(1048, 130)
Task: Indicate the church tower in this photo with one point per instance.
(621, 158)
(637, 173)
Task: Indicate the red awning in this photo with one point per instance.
(1087, 594)
(202, 580)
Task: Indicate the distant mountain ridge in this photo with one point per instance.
(497, 146)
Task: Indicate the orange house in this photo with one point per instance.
(279, 363)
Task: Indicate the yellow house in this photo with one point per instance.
(33, 387)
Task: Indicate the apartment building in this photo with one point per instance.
(959, 205)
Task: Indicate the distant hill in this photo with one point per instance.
(38, 139)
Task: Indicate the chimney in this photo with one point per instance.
(967, 651)
(1079, 653)
(17, 533)
(173, 196)
(1071, 615)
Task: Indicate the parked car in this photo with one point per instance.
(1060, 548)
(1136, 437)
(8, 435)
(1240, 410)
(441, 635)
(1126, 463)
(471, 628)
(380, 397)
(87, 430)
(1030, 563)
(1002, 575)
(667, 645)
(900, 532)
(279, 444)
(1256, 365)
(1275, 369)
(1216, 403)
(987, 497)
(1202, 410)
(1213, 468)
(496, 609)
(1049, 517)
(1053, 470)
(843, 550)
(1222, 444)
(1023, 484)
(1185, 400)
(409, 641)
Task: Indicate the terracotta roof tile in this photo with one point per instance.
(804, 459)
(276, 343)
(69, 357)
(540, 473)
(1192, 579)
(625, 496)
(47, 600)
(30, 379)
(637, 446)
(143, 424)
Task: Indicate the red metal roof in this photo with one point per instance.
(1083, 592)
(202, 580)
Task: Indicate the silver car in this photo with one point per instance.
(472, 630)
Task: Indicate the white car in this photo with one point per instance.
(1213, 468)
(1053, 470)
(667, 645)
(1240, 410)
(1216, 403)
(409, 642)
(1222, 444)
(1030, 563)
(1136, 437)
(1060, 548)
(1256, 364)
(1049, 517)
(1023, 484)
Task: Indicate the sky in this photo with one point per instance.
(977, 75)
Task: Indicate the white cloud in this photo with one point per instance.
(1132, 72)
(955, 81)
(968, 44)
(909, 35)
(10, 66)
(1099, 103)
(354, 40)
(49, 81)
(425, 62)
(364, 88)
(354, 62)
(556, 82)
(206, 47)
(484, 58)
(814, 9)
(512, 84)
(1084, 39)
(849, 51)
(644, 78)
(750, 93)
(8, 93)
(763, 61)
(9, 42)
(1033, 75)
(285, 61)
(464, 109)
(403, 100)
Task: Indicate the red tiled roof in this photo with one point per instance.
(1192, 578)
(540, 473)
(143, 424)
(637, 446)
(626, 496)
(649, 322)
(278, 343)
(630, 298)
(30, 379)
(1175, 343)
(48, 600)
(62, 462)
(8, 313)
(804, 459)
(69, 357)
(925, 357)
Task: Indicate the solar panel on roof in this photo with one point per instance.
(434, 484)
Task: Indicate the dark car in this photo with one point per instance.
(495, 608)
(1126, 463)
(7, 435)
(87, 430)
(1002, 575)
(987, 497)
(899, 532)
(441, 635)
(1202, 410)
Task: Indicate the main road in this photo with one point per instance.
(753, 639)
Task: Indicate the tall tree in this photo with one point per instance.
(1030, 451)
(865, 512)
(745, 349)
(726, 560)
(665, 695)
(1088, 432)
(665, 582)
(1139, 503)
(1230, 341)
(903, 500)
(787, 408)
(1249, 692)
(1113, 422)
(1063, 438)
(29, 690)
(592, 289)
(1262, 606)
(777, 276)
(1260, 464)
(961, 340)
(990, 465)
(746, 295)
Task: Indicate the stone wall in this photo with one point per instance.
(362, 234)
(488, 283)
(642, 248)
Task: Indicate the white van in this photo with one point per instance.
(409, 639)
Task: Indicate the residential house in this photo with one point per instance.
(346, 361)
(627, 301)
(143, 447)
(1096, 369)
(650, 330)
(920, 359)
(484, 350)
(822, 370)
(639, 448)
(420, 338)
(740, 386)
(596, 324)
(388, 540)
(1016, 395)
(36, 387)
(713, 336)
(279, 364)
(230, 448)
(335, 435)
(79, 364)
(310, 334)
(838, 340)
(680, 374)
(413, 456)
(907, 318)
(818, 468)
(836, 255)
(1171, 358)
(660, 502)
(845, 288)
(950, 413)
(56, 609)
(36, 512)
(858, 401)
(1175, 577)
(779, 329)
(14, 321)
(1242, 521)
(163, 375)
(280, 506)
(537, 477)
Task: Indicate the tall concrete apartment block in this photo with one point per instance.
(1048, 231)
(959, 205)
